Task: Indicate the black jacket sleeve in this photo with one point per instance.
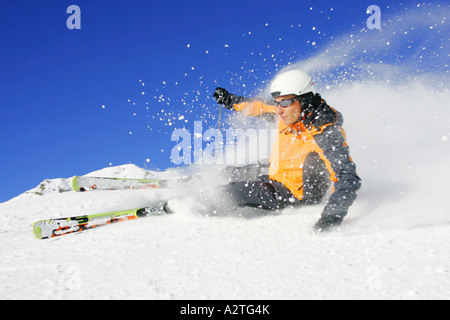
(332, 141)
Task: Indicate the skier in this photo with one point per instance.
(310, 152)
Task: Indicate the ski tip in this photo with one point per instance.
(37, 230)
(75, 186)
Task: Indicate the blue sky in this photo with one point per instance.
(75, 101)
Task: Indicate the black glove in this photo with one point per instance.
(327, 222)
(222, 96)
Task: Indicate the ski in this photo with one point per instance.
(86, 183)
(57, 227)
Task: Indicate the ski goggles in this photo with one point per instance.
(285, 103)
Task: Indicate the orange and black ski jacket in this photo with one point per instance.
(316, 131)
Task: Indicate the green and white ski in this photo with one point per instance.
(52, 228)
(86, 183)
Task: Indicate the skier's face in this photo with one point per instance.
(290, 114)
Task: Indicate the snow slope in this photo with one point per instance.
(394, 244)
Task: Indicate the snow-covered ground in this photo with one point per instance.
(394, 243)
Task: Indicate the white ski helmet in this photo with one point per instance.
(292, 82)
